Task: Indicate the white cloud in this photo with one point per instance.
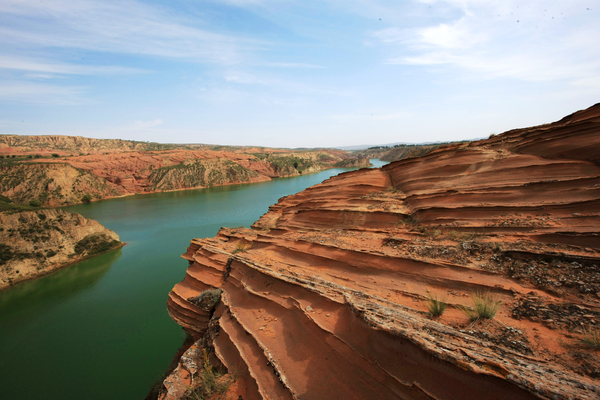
(450, 36)
(26, 64)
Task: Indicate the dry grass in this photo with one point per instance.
(436, 304)
(590, 338)
(485, 306)
(241, 247)
(210, 384)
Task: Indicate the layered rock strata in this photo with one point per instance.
(36, 243)
(327, 296)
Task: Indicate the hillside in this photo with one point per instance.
(35, 243)
(57, 170)
(75, 145)
(52, 184)
(399, 152)
(337, 291)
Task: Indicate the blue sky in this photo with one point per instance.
(289, 73)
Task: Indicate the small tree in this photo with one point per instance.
(87, 198)
(55, 155)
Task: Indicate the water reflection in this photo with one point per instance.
(57, 286)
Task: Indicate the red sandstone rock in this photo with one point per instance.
(330, 299)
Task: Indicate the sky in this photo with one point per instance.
(294, 73)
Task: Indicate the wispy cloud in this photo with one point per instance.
(34, 65)
(290, 65)
(530, 41)
(116, 26)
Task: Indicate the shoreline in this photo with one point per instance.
(61, 266)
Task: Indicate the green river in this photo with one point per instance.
(99, 329)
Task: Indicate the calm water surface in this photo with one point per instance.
(100, 329)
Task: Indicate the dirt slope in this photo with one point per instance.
(326, 297)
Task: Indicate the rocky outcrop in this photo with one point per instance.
(35, 243)
(329, 295)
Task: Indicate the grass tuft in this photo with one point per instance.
(590, 338)
(486, 306)
(241, 247)
(212, 384)
(436, 304)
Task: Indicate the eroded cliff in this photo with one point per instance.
(35, 243)
(328, 295)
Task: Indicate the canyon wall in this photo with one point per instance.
(35, 243)
(330, 294)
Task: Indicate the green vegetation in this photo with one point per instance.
(55, 155)
(208, 299)
(95, 244)
(590, 338)
(34, 203)
(200, 173)
(7, 204)
(288, 165)
(436, 305)
(87, 198)
(486, 306)
(212, 384)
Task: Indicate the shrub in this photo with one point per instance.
(35, 203)
(436, 304)
(485, 304)
(55, 155)
(208, 299)
(590, 338)
(6, 253)
(211, 382)
(87, 198)
(95, 244)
